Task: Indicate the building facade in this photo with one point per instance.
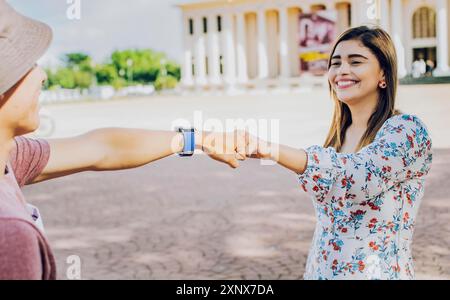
(243, 43)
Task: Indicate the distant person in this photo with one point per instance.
(429, 68)
(419, 67)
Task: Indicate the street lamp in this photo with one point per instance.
(130, 69)
(163, 67)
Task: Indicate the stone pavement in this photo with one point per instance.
(197, 219)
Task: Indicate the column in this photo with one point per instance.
(356, 11)
(200, 52)
(284, 42)
(241, 48)
(273, 43)
(294, 59)
(384, 14)
(187, 65)
(263, 71)
(213, 51)
(397, 35)
(342, 17)
(441, 35)
(252, 45)
(229, 55)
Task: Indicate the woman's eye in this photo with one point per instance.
(335, 64)
(355, 62)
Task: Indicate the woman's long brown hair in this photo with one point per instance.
(380, 44)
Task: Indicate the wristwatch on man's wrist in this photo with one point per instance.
(189, 141)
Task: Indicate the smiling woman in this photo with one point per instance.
(367, 181)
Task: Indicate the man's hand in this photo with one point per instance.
(225, 147)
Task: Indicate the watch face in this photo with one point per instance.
(189, 141)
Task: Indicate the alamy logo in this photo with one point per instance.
(373, 9)
(266, 129)
(74, 10)
(373, 267)
(74, 269)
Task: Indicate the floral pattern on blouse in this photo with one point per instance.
(366, 203)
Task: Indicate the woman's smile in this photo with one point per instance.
(346, 83)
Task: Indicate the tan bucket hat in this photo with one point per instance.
(22, 42)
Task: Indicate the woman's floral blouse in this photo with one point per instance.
(366, 203)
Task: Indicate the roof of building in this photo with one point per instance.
(197, 4)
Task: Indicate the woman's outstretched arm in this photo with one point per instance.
(291, 158)
(400, 151)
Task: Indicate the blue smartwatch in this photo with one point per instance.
(189, 141)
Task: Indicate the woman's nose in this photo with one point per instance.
(344, 68)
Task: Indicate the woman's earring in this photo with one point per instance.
(383, 85)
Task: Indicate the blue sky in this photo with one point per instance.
(107, 25)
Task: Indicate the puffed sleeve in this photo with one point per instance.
(400, 151)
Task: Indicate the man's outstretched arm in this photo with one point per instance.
(110, 149)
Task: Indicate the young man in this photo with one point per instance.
(24, 250)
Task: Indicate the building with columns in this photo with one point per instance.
(245, 43)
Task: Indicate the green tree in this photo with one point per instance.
(138, 66)
(81, 68)
(106, 74)
(165, 82)
(173, 69)
(78, 61)
(83, 80)
(64, 78)
(125, 67)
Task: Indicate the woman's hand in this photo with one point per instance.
(258, 148)
(230, 148)
(288, 157)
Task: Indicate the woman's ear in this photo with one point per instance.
(382, 76)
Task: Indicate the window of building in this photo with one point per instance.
(425, 54)
(191, 26)
(221, 64)
(219, 23)
(424, 23)
(349, 13)
(205, 25)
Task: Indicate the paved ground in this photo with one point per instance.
(252, 223)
